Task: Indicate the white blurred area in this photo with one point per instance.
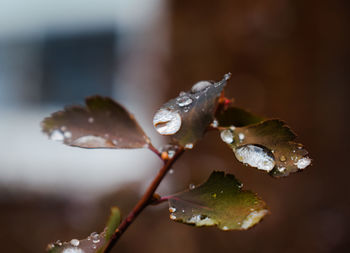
(28, 159)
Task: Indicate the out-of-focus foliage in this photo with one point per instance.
(103, 123)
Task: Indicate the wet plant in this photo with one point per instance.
(266, 144)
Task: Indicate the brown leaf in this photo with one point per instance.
(103, 123)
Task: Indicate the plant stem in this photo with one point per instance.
(143, 202)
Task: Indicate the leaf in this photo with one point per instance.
(93, 243)
(268, 146)
(234, 116)
(187, 117)
(219, 201)
(103, 123)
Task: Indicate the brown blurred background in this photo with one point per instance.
(288, 60)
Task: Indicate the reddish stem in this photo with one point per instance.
(155, 150)
(143, 202)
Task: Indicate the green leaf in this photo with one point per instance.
(219, 201)
(268, 146)
(187, 117)
(103, 123)
(94, 243)
(234, 116)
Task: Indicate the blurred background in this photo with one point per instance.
(288, 59)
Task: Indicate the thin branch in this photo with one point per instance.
(143, 202)
(155, 150)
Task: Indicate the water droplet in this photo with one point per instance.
(67, 134)
(96, 240)
(58, 242)
(215, 123)
(253, 218)
(90, 141)
(227, 136)
(93, 246)
(281, 169)
(233, 128)
(241, 136)
(200, 86)
(302, 163)
(73, 250)
(283, 158)
(191, 186)
(225, 228)
(50, 246)
(183, 100)
(171, 153)
(172, 209)
(255, 156)
(167, 122)
(91, 120)
(171, 171)
(172, 216)
(56, 135)
(189, 145)
(74, 242)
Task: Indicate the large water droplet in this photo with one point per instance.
(73, 250)
(253, 218)
(227, 136)
(255, 156)
(200, 86)
(183, 100)
(90, 141)
(167, 122)
(74, 242)
(56, 135)
(302, 163)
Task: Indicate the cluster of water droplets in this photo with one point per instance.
(60, 134)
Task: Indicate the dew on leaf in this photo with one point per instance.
(184, 101)
(253, 218)
(241, 136)
(302, 163)
(191, 186)
(90, 140)
(56, 135)
(200, 86)
(167, 122)
(67, 134)
(189, 145)
(74, 242)
(255, 156)
(73, 250)
(227, 136)
(215, 123)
